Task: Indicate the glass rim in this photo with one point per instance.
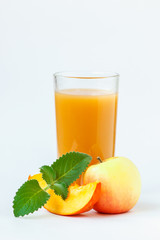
(86, 74)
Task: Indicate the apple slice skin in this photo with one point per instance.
(80, 198)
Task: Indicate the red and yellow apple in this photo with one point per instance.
(120, 184)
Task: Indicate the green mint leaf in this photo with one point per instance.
(48, 174)
(60, 189)
(29, 198)
(70, 166)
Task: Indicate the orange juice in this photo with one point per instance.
(86, 122)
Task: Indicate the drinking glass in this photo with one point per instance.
(86, 112)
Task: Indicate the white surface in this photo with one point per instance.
(41, 37)
(143, 222)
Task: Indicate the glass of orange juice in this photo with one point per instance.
(86, 111)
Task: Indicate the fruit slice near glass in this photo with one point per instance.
(86, 111)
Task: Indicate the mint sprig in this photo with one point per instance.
(67, 169)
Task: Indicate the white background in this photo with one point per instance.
(38, 38)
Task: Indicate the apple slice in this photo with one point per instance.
(80, 198)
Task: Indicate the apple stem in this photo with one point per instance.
(99, 159)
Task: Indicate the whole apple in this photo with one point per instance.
(120, 184)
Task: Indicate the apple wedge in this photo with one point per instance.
(80, 198)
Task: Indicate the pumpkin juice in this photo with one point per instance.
(86, 122)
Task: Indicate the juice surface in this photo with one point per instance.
(86, 122)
